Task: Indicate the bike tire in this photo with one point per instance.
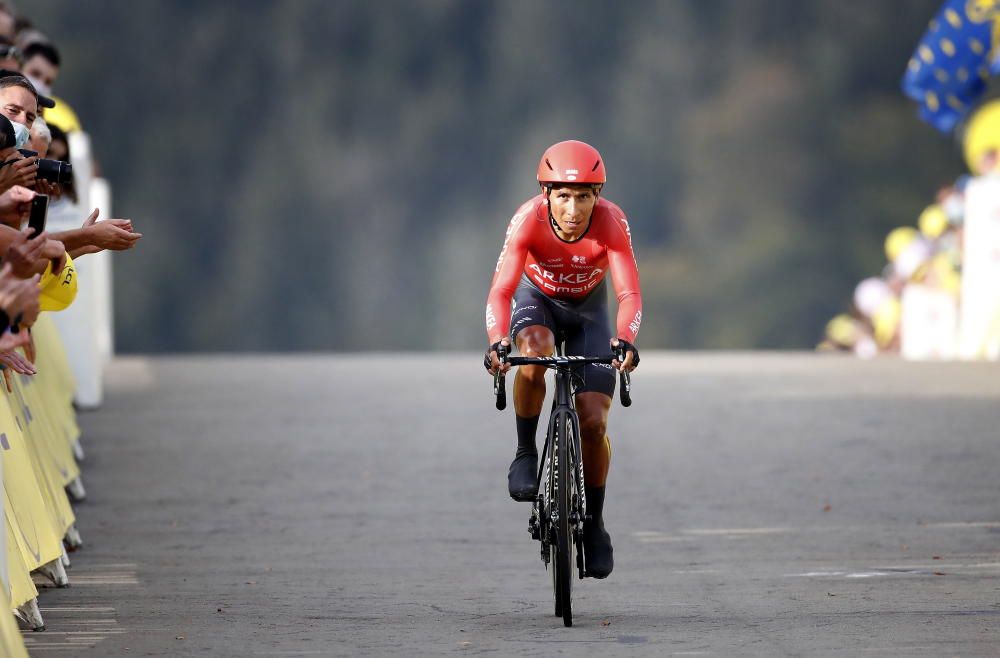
(564, 544)
(549, 482)
(553, 556)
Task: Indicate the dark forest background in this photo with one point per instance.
(339, 175)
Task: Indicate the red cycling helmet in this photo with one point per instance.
(572, 162)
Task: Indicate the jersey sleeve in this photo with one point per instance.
(510, 264)
(625, 276)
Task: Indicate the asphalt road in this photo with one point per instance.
(764, 504)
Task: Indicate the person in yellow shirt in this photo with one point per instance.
(62, 116)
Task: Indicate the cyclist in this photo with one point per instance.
(550, 279)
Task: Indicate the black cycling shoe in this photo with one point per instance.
(522, 478)
(597, 551)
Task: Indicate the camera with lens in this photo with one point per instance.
(54, 171)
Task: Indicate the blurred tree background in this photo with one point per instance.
(339, 175)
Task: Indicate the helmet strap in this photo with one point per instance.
(548, 205)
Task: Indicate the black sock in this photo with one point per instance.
(526, 428)
(595, 505)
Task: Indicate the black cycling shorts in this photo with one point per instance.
(584, 325)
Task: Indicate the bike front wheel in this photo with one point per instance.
(563, 544)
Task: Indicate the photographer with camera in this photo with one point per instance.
(19, 103)
(28, 257)
(16, 93)
(23, 261)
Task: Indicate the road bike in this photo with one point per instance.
(559, 510)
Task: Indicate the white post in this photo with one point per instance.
(100, 197)
(928, 328)
(980, 302)
(79, 324)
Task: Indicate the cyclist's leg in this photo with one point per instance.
(593, 408)
(532, 328)
(592, 337)
(529, 381)
(593, 404)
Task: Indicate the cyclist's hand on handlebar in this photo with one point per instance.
(631, 355)
(492, 359)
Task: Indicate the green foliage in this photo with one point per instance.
(338, 175)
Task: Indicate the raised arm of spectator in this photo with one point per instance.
(28, 257)
(19, 305)
(15, 204)
(19, 170)
(94, 236)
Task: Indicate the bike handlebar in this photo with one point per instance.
(499, 388)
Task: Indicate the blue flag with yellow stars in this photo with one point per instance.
(953, 61)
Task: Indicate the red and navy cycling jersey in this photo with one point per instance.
(566, 270)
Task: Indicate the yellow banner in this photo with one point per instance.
(11, 643)
(55, 376)
(50, 455)
(22, 588)
(34, 528)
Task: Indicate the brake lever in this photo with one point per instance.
(626, 388)
(624, 380)
(499, 385)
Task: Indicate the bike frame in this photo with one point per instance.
(561, 445)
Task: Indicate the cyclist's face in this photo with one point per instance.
(571, 208)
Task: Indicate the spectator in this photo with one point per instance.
(19, 103)
(19, 302)
(28, 34)
(928, 256)
(36, 271)
(845, 333)
(41, 66)
(59, 146)
(10, 56)
(8, 22)
(15, 169)
(18, 99)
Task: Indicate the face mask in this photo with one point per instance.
(39, 86)
(21, 135)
